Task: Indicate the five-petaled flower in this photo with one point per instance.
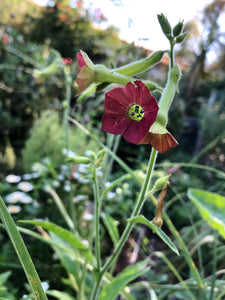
(129, 111)
(86, 74)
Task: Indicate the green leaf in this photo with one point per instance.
(66, 235)
(211, 207)
(111, 226)
(111, 290)
(4, 277)
(155, 229)
(68, 259)
(60, 295)
(22, 252)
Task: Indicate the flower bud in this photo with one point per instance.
(101, 153)
(78, 159)
(161, 183)
(178, 28)
(164, 23)
(141, 65)
(181, 38)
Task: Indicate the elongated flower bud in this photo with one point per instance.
(141, 65)
(165, 25)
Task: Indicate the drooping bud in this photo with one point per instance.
(158, 219)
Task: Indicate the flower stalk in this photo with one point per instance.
(129, 226)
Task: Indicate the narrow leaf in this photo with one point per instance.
(66, 235)
(155, 229)
(111, 290)
(60, 295)
(22, 252)
(211, 207)
(111, 226)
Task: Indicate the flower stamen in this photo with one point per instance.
(135, 112)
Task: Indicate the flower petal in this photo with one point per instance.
(126, 95)
(115, 123)
(113, 106)
(145, 99)
(80, 60)
(161, 142)
(137, 130)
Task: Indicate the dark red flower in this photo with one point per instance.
(130, 111)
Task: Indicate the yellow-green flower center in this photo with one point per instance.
(135, 112)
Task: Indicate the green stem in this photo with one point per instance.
(67, 107)
(186, 254)
(129, 225)
(96, 220)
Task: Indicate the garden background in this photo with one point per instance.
(38, 47)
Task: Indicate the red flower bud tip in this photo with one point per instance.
(85, 75)
(5, 38)
(129, 111)
(67, 61)
(159, 138)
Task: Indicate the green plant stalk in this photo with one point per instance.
(67, 105)
(129, 225)
(96, 220)
(211, 296)
(61, 207)
(186, 254)
(176, 273)
(22, 253)
(109, 160)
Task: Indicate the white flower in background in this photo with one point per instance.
(111, 195)
(67, 187)
(27, 176)
(56, 183)
(18, 197)
(13, 178)
(14, 209)
(86, 243)
(60, 177)
(45, 285)
(25, 186)
(119, 191)
(15, 197)
(26, 199)
(87, 216)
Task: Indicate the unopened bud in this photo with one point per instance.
(78, 159)
(164, 23)
(181, 38)
(161, 183)
(101, 153)
(178, 28)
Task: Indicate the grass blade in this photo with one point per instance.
(22, 252)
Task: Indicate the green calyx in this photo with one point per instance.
(135, 112)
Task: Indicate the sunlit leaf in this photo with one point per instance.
(111, 290)
(155, 229)
(66, 235)
(211, 207)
